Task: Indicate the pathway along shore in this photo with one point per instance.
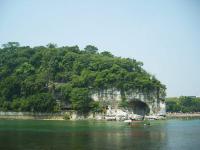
(183, 115)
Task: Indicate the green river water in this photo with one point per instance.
(98, 135)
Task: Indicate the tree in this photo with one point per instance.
(183, 104)
(106, 53)
(42, 102)
(25, 69)
(10, 88)
(34, 79)
(81, 100)
(91, 49)
(11, 45)
(51, 45)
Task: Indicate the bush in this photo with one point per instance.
(96, 107)
(42, 102)
(81, 100)
(66, 117)
(5, 106)
(123, 104)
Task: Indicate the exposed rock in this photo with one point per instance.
(139, 104)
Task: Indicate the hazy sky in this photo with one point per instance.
(164, 35)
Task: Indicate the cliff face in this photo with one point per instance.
(140, 103)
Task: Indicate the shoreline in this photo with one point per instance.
(62, 116)
(31, 116)
(182, 115)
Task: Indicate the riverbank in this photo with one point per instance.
(68, 115)
(31, 116)
(74, 116)
(183, 115)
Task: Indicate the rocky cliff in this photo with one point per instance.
(137, 103)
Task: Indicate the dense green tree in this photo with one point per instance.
(106, 53)
(51, 45)
(42, 102)
(91, 49)
(183, 104)
(81, 99)
(11, 45)
(39, 78)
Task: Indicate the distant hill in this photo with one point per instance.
(183, 104)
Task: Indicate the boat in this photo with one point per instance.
(137, 123)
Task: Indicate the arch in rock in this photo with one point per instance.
(139, 107)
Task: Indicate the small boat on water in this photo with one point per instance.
(127, 121)
(137, 123)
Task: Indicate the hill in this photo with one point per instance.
(50, 78)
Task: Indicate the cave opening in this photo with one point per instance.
(139, 108)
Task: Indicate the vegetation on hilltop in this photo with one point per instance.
(43, 78)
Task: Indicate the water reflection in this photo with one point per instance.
(50, 135)
(122, 138)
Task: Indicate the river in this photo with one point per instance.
(98, 135)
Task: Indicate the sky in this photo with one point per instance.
(164, 35)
